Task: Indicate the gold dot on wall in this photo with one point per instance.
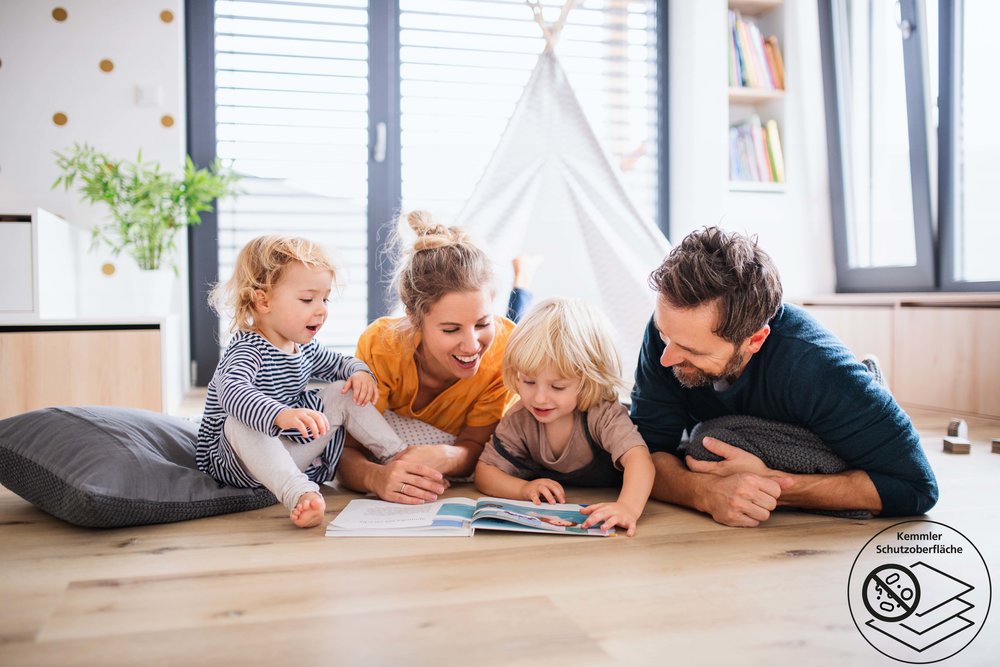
(106, 65)
(167, 121)
(59, 14)
(60, 118)
(166, 16)
(108, 269)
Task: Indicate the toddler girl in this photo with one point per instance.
(261, 426)
(568, 427)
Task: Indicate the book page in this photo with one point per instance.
(382, 515)
(554, 518)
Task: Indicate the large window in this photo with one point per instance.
(913, 157)
(340, 113)
(970, 160)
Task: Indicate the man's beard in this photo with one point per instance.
(691, 377)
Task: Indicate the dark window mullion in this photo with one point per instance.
(203, 239)
(917, 124)
(384, 181)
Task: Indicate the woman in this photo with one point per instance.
(440, 363)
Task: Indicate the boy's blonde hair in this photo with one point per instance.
(574, 338)
(259, 266)
(440, 261)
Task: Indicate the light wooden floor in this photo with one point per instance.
(249, 589)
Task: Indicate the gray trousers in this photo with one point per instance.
(279, 463)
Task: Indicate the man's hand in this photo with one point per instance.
(734, 460)
(742, 499)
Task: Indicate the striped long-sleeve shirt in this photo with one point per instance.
(253, 382)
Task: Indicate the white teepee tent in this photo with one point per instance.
(551, 189)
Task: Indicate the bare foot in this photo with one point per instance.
(524, 269)
(309, 510)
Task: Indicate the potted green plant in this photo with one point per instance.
(148, 205)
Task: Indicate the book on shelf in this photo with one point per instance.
(774, 151)
(458, 517)
(755, 152)
(764, 171)
(779, 65)
(754, 61)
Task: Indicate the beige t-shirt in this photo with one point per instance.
(524, 437)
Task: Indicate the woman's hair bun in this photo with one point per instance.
(431, 234)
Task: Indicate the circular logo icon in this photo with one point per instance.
(919, 592)
(891, 593)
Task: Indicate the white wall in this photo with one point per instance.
(794, 225)
(50, 67)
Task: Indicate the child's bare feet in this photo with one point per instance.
(309, 510)
(524, 269)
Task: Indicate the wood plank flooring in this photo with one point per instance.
(250, 589)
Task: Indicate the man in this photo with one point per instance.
(722, 343)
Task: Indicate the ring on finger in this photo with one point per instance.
(402, 486)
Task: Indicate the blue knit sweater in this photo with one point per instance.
(802, 375)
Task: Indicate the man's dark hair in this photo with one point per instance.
(711, 264)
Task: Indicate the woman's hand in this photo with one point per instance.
(442, 458)
(406, 482)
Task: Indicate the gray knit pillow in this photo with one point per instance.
(108, 467)
(780, 446)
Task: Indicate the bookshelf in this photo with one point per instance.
(756, 95)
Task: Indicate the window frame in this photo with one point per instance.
(921, 276)
(203, 239)
(936, 270)
(950, 42)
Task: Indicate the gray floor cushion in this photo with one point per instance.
(110, 467)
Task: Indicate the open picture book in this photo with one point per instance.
(457, 517)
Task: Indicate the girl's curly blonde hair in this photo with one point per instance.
(259, 266)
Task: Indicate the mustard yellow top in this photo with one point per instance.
(479, 400)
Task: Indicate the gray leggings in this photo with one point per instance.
(279, 463)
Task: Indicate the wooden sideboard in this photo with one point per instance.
(939, 351)
(82, 363)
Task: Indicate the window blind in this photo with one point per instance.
(292, 116)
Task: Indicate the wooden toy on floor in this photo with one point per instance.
(956, 445)
(957, 428)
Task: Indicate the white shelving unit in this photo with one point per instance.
(768, 104)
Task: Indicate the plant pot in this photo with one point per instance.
(153, 291)
(121, 290)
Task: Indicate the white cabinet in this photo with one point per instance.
(16, 287)
(37, 267)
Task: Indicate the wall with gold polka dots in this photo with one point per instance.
(106, 72)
